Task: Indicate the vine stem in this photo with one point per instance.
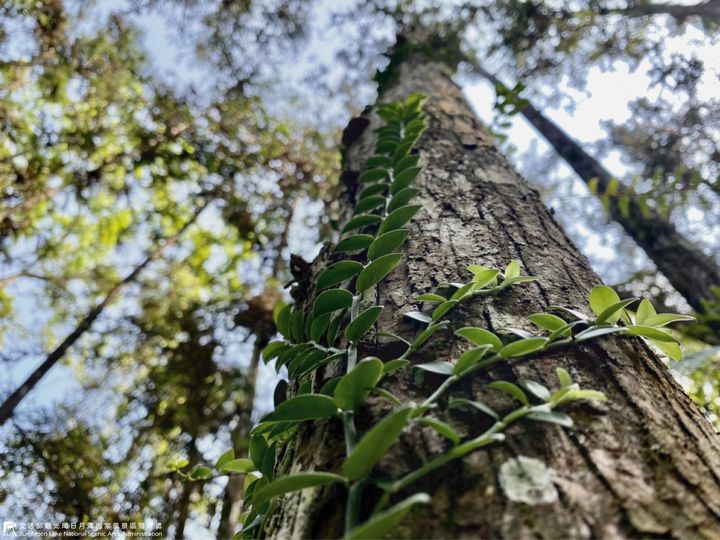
(352, 510)
(352, 347)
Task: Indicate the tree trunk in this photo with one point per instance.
(690, 271)
(8, 406)
(233, 494)
(644, 464)
(710, 9)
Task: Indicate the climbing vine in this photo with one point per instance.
(343, 313)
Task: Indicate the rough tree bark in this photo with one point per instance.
(643, 464)
(690, 271)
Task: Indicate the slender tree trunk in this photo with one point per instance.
(690, 271)
(264, 329)
(233, 494)
(710, 9)
(7, 409)
(645, 464)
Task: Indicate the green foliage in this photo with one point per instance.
(341, 397)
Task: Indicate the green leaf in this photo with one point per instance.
(563, 377)
(402, 150)
(337, 273)
(552, 417)
(484, 277)
(459, 402)
(332, 300)
(443, 428)
(374, 189)
(328, 389)
(373, 175)
(354, 387)
(597, 331)
(564, 331)
(394, 365)
(438, 366)
(601, 298)
(379, 525)
(283, 321)
(362, 323)
(369, 203)
(280, 392)
(297, 327)
(377, 270)
(523, 347)
(511, 389)
(669, 348)
(576, 395)
(387, 395)
(650, 333)
(515, 280)
(258, 449)
(387, 243)
(612, 313)
(375, 443)
(301, 408)
(418, 316)
(404, 179)
(664, 319)
(401, 198)
(480, 336)
(382, 161)
(273, 350)
(470, 358)
(319, 326)
(512, 270)
(354, 243)
(277, 308)
(426, 334)
(294, 482)
(547, 321)
(199, 472)
(311, 363)
(241, 466)
(290, 354)
(331, 335)
(406, 163)
(463, 291)
(578, 315)
(644, 311)
(386, 147)
(224, 458)
(430, 297)
(363, 220)
(397, 218)
(536, 389)
(443, 308)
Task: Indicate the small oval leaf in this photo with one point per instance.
(337, 273)
(387, 243)
(522, 347)
(363, 220)
(362, 323)
(301, 408)
(355, 386)
(332, 300)
(397, 218)
(377, 270)
(375, 443)
(354, 243)
(294, 482)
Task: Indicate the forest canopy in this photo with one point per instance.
(267, 269)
